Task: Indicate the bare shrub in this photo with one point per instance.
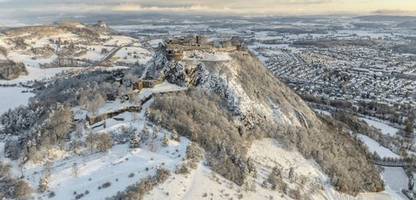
(22, 190)
(104, 142)
(137, 191)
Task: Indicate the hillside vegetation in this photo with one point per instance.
(267, 109)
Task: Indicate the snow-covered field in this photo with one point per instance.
(37, 74)
(383, 127)
(121, 167)
(374, 146)
(395, 179)
(132, 55)
(12, 97)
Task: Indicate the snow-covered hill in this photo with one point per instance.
(214, 124)
(69, 45)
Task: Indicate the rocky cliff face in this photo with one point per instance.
(257, 105)
(10, 70)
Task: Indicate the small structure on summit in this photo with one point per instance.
(176, 47)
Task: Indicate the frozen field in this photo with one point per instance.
(384, 128)
(374, 146)
(12, 97)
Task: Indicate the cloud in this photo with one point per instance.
(269, 7)
(394, 12)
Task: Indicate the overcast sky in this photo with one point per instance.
(11, 8)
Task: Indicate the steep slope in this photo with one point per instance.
(235, 100)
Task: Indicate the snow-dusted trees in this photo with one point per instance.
(91, 101)
(22, 118)
(43, 184)
(104, 142)
(165, 140)
(138, 190)
(11, 188)
(60, 123)
(22, 190)
(203, 120)
(97, 102)
(38, 128)
(409, 127)
(44, 180)
(134, 141)
(75, 170)
(152, 142)
(100, 142)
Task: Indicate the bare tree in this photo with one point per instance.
(90, 141)
(97, 102)
(104, 142)
(75, 170)
(23, 190)
(165, 140)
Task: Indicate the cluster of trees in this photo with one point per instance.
(37, 128)
(99, 142)
(205, 122)
(395, 113)
(70, 89)
(409, 127)
(47, 120)
(91, 101)
(11, 188)
(194, 154)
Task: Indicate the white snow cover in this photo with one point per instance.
(203, 183)
(28, 59)
(119, 40)
(395, 179)
(383, 127)
(12, 97)
(132, 55)
(206, 56)
(374, 146)
(94, 52)
(114, 167)
(35, 73)
(323, 112)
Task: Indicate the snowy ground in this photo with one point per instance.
(323, 112)
(120, 40)
(374, 146)
(12, 97)
(395, 179)
(383, 127)
(206, 56)
(203, 183)
(115, 167)
(36, 74)
(132, 55)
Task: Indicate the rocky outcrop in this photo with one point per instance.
(260, 106)
(10, 70)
